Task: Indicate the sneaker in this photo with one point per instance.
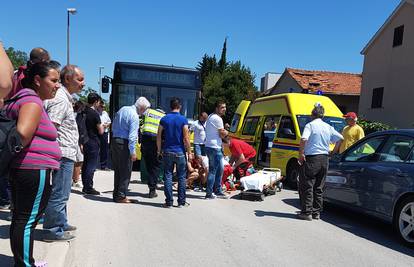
(222, 196)
(9, 217)
(76, 184)
(70, 228)
(185, 205)
(63, 238)
(302, 216)
(91, 191)
(152, 194)
(40, 264)
(4, 206)
(316, 216)
(167, 206)
(212, 196)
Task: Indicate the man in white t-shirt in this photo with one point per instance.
(199, 128)
(214, 133)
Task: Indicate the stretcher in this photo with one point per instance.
(261, 184)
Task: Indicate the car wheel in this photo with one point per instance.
(293, 174)
(404, 221)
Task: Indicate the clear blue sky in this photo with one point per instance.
(266, 36)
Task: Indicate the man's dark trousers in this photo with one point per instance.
(91, 155)
(311, 183)
(122, 166)
(104, 151)
(152, 163)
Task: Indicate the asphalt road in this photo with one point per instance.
(223, 233)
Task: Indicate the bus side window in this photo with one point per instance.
(286, 128)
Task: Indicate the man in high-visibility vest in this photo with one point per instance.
(149, 132)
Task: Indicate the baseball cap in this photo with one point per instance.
(351, 115)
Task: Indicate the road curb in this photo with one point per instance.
(54, 253)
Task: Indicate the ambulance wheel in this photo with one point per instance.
(292, 174)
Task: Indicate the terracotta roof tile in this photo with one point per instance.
(339, 83)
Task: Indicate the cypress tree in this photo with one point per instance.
(223, 61)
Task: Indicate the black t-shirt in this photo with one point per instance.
(81, 122)
(92, 120)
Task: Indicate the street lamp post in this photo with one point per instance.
(73, 12)
(100, 81)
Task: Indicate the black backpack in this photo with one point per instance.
(10, 140)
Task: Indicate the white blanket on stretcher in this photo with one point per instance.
(257, 180)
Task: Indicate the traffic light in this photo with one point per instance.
(105, 85)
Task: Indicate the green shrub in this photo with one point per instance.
(373, 126)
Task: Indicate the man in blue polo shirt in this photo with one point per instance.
(124, 138)
(172, 143)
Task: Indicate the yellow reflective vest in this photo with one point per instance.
(152, 119)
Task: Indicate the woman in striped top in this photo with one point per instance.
(31, 168)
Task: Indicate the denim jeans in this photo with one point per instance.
(55, 220)
(215, 170)
(199, 150)
(90, 162)
(179, 159)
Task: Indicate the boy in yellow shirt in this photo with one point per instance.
(351, 133)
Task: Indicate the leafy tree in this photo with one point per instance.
(17, 57)
(233, 85)
(231, 82)
(83, 96)
(373, 126)
(207, 66)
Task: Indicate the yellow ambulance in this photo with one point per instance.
(273, 126)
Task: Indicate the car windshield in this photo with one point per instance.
(337, 123)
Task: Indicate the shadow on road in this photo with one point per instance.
(6, 260)
(151, 204)
(77, 192)
(261, 213)
(360, 225)
(98, 198)
(294, 202)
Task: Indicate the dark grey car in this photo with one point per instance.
(375, 176)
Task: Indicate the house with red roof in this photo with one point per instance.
(343, 88)
(387, 93)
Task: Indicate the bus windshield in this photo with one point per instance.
(337, 123)
(158, 83)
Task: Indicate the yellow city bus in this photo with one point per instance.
(273, 126)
